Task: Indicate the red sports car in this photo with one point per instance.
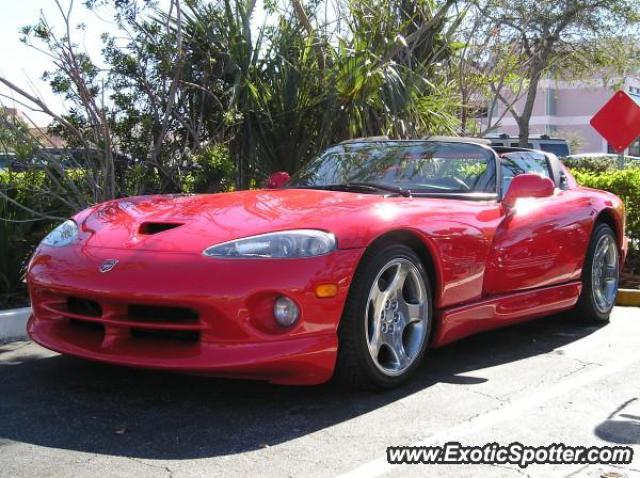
(371, 253)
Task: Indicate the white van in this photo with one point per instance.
(557, 146)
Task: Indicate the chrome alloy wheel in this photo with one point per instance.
(605, 273)
(396, 317)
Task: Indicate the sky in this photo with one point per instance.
(24, 66)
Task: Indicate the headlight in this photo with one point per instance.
(62, 235)
(276, 245)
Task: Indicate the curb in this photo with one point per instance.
(628, 297)
(13, 324)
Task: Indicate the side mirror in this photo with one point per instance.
(278, 180)
(528, 186)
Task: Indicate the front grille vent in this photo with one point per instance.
(89, 308)
(125, 320)
(152, 313)
(181, 335)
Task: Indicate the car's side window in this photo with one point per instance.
(522, 162)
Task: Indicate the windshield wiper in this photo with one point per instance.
(357, 186)
(382, 187)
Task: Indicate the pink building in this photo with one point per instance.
(563, 109)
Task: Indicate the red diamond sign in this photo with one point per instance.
(618, 121)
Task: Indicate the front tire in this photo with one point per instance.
(386, 323)
(600, 277)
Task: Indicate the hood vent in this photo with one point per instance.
(150, 228)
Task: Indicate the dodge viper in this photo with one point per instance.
(351, 268)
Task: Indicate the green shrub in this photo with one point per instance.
(213, 171)
(20, 233)
(624, 183)
(595, 165)
(599, 164)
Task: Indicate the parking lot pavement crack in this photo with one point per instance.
(575, 472)
(579, 369)
(484, 412)
(166, 469)
(518, 470)
(493, 397)
(616, 467)
(585, 362)
(626, 468)
(622, 407)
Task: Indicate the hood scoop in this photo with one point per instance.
(151, 228)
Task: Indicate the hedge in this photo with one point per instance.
(20, 233)
(626, 184)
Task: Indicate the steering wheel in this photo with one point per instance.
(463, 185)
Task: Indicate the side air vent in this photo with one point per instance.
(150, 228)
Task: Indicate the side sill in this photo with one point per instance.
(459, 322)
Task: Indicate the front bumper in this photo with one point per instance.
(185, 312)
(299, 361)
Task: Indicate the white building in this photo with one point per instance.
(564, 108)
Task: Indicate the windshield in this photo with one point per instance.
(416, 166)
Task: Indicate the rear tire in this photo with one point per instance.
(386, 322)
(600, 277)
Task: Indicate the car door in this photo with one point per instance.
(542, 241)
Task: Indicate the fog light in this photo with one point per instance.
(285, 311)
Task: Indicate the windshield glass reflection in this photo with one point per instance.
(418, 166)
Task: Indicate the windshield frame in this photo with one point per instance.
(471, 195)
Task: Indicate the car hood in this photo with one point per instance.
(191, 223)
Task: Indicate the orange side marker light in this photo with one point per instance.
(326, 290)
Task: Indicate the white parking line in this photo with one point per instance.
(379, 466)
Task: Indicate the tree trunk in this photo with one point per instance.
(523, 132)
(463, 112)
(537, 67)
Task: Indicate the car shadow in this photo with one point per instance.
(621, 428)
(69, 403)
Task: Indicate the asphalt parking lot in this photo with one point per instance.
(543, 382)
